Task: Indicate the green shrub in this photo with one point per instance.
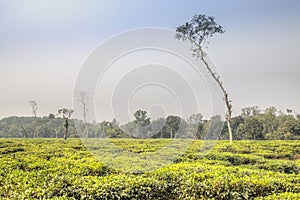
(284, 196)
(55, 169)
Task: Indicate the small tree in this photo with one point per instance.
(66, 114)
(196, 31)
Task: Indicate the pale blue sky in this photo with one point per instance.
(44, 43)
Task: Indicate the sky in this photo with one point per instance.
(44, 44)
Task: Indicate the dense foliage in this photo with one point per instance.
(251, 124)
(57, 169)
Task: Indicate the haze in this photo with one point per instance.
(44, 43)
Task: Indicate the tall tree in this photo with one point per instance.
(33, 105)
(252, 128)
(195, 118)
(66, 114)
(270, 120)
(53, 124)
(157, 127)
(173, 123)
(215, 128)
(289, 128)
(196, 125)
(82, 97)
(197, 31)
(112, 129)
(250, 111)
(142, 122)
(141, 118)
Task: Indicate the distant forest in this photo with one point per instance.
(252, 123)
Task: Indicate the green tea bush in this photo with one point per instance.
(285, 196)
(57, 169)
(282, 166)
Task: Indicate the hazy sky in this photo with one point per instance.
(43, 45)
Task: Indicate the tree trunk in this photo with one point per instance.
(86, 133)
(24, 131)
(219, 82)
(229, 130)
(272, 126)
(36, 132)
(66, 128)
(66, 134)
(228, 114)
(35, 127)
(84, 113)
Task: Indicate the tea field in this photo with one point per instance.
(58, 169)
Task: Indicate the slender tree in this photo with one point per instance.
(33, 105)
(197, 31)
(82, 97)
(24, 131)
(66, 114)
(34, 108)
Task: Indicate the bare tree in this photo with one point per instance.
(33, 105)
(34, 108)
(196, 31)
(82, 97)
(24, 131)
(66, 114)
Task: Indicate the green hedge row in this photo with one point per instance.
(54, 169)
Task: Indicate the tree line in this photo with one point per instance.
(252, 124)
